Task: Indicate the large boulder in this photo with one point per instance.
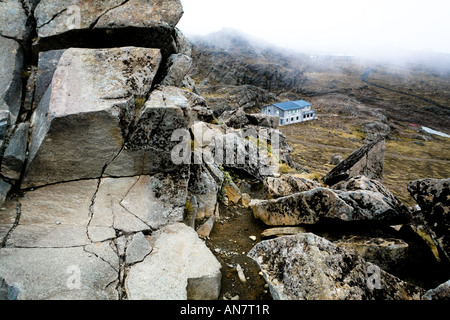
(205, 188)
(310, 207)
(364, 183)
(287, 185)
(82, 121)
(441, 292)
(367, 160)
(11, 67)
(308, 267)
(433, 198)
(92, 228)
(387, 253)
(14, 155)
(62, 24)
(150, 145)
(180, 267)
(14, 18)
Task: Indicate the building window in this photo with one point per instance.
(292, 119)
(277, 112)
(297, 118)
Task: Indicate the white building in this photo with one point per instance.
(290, 112)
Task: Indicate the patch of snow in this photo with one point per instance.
(438, 133)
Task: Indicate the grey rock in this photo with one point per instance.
(138, 248)
(364, 183)
(287, 185)
(106, 251)
(57, 274)
(307, 267)
(336, 159)
(282, 231)
(11, 66)
(385, 253)
(4, 124)
(53, 17)
(367, 160)
(205, 188)
(183, 44)
(178, 255)
(15, 154)
(107, 211)
(232, 191)
(5, 187)
(111, 23)
(177, 66)
(158, 200)
(310, 207)
(205, 229)
(67, 203)
(48, 61)
(261, 120)
(376, 130)
(442, 292)
(433, 197)
(14, 20)
(93, 111)
(150, 144)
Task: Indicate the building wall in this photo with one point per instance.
(290, 117)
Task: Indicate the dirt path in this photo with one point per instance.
(230, 242)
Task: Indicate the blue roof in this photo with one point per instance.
(292, 105)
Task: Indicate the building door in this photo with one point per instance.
(281, 121)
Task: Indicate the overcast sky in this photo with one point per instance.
(344, 26)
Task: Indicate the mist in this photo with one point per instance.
(365, 28)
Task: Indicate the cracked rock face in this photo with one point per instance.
(111, 23)
(54, 17)
(180, 264)
(433, 197)
(308, 267)
(14, 20)
(287, 185)
(11, 64)
(82, 121)
(94, 228)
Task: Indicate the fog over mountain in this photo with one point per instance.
(375, 29)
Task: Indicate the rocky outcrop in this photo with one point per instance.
(101, 200)
(14, 19)
(95, 113)
(287, 185)
(310, 207)
(367, 160)
(386, 253)
(441, 292)
(376, 130)
(112, 23)
(180, 267)
(307, 267)
(364, 183)
(432, 196)
(11, 66)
